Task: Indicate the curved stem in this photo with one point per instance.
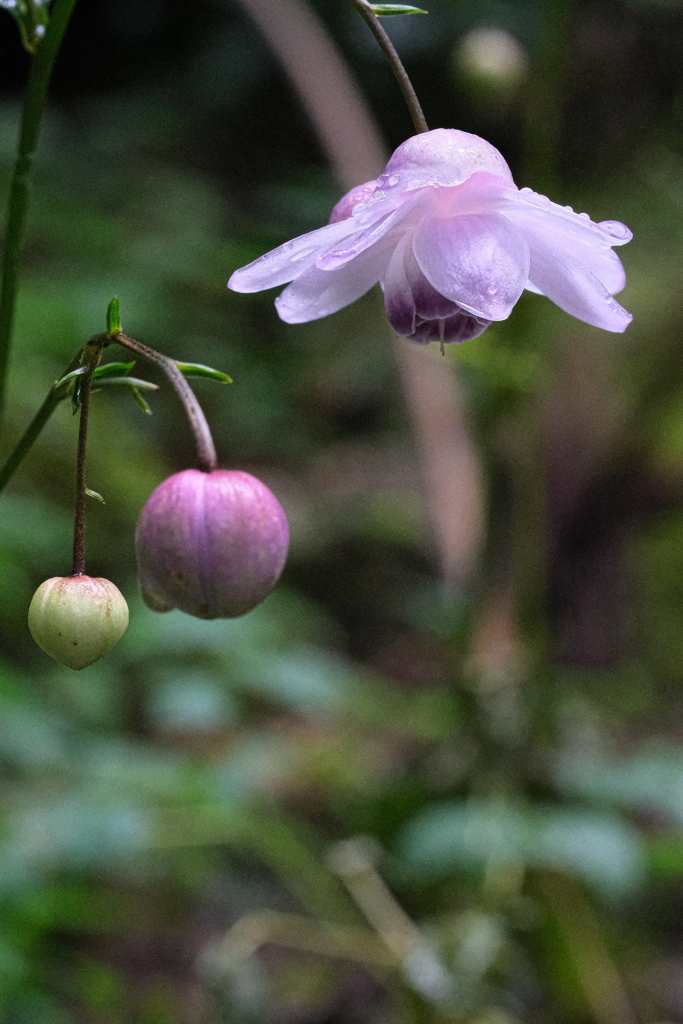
(396, 64)
(206, 451)
(92, 356)
(17, 204)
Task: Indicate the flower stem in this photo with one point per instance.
(396, 64)
(206, 451)
(17, 204)
(54, 396)
(91, 357)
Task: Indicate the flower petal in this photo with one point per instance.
(318, 293)
(480, 261)
(444, 156)
(540, 220)
(414, 307)
(359, 194)
(288, 261)
(398, 293)
(572, 285)
(358, 242)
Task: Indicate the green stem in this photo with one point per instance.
(17, 205)
(400, 73)
(54, 397)
(206, 451)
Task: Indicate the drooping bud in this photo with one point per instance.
(211, 544)
(77, 619)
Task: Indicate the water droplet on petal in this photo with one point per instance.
(394, 179)
(615, 229)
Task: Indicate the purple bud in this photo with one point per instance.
(211, 544)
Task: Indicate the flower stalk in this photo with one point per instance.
(395, 62)
(42, 65)
(206, 450)
(91, 357)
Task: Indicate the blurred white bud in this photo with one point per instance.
(491, 58)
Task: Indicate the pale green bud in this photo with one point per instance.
(77, 619)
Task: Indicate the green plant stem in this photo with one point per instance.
(54, 396)
(42, 65)
(395, 63)
(92, 356)
(206, 451)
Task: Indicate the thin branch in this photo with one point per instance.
(396, 64)
(92, 356)
(206, 451)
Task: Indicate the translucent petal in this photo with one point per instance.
(545, 223)
(573, 286)
(398, 294)
(359, 194)
(444, 156)
(290, 260)
(378, 228)
(318, 293)
(480, 261)
(525, 207)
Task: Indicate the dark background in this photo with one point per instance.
(508, 744)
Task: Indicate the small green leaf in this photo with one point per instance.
(94, 494)
(385, 10)
(70, 376)
(114, 317)
(112, 369)
(77, 394)
(197, 370)
(139, 400)
(32, 17)
(131, 382)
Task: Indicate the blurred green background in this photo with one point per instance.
(378, 798)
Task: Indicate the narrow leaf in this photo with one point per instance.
(94, 494)
(114, 317)
(113, 369)
(77, 395)
(70, 376)
(385, 10)
(140, 401)
(197, 370)
(131, 382)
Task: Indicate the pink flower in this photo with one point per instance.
(211, 544)
(453, 243)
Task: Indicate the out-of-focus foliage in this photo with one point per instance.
(348, 806)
